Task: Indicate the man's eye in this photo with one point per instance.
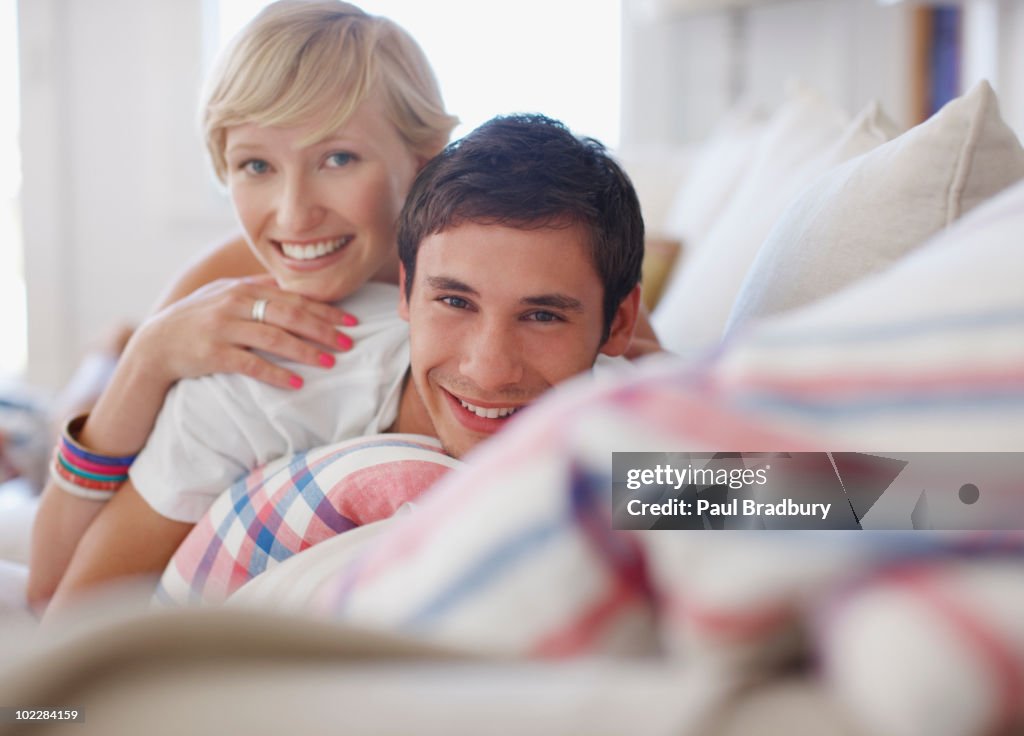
(455, 301)
(339, 159)
(544, 317)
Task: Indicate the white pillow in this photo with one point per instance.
(897, 644)
(295, 583)
(859, 218)
(805, 138)
(13, 582)
(715, 171)
(503, 560)
(18, 508)
(656, 171)
(924, 356)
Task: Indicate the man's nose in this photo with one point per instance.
(298, 208)
(493, 359)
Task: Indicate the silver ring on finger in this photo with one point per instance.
(259, 310)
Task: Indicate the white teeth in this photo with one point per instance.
(492, 413)
(308, 252)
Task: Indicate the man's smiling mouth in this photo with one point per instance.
(490, 412)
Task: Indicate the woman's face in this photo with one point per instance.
(322, 217)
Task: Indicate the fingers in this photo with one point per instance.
(213, 331)
(308, 319)
(246, 362)
(279, 342)
(312, 320)
(330, 313)
(269, 290)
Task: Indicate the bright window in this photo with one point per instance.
(13, 321)
(558, 57)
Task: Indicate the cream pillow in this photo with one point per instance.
(716, 170)
(657, 171)
(896, 645)
(805, 138)
(862, 216)
(924, 356)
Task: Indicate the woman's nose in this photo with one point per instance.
(298, 210)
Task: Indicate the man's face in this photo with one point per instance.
(497, 316)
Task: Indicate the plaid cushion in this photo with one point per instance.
(293, 503)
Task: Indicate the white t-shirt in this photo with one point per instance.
(215, 429)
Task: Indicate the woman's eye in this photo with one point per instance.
(456, 302)
(339, 159)
(255, 166)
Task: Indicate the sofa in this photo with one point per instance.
(842, 287)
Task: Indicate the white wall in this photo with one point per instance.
(1011, 62)
(675, 76)
(116, 194)
(683, 69)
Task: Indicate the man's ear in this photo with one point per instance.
(623, 324)
(403, 300)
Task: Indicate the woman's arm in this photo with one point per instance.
(232, 259)
(203, 326)
(127, 539)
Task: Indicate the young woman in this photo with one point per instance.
(317, 120)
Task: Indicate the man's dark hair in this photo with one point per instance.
(529, 171)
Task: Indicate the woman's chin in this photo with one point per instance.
(316, 289)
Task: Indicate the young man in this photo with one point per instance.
(520, 253)
(520, 248)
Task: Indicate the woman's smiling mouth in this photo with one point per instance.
(312, 251)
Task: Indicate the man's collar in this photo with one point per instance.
(412, 414)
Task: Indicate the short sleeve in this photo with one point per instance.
(198, 447)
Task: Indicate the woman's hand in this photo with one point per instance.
(213, 330)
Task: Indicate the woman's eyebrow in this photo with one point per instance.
(241, 148)
(334, 139)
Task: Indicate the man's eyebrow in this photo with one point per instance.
(555, 301)
(446, 283)
(552, 301)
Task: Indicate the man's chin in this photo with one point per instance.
(458, 446)
(459, 440)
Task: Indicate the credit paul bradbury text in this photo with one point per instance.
(816, 490)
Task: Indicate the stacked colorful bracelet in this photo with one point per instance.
(84, 473)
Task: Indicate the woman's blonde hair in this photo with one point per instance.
(300, 59)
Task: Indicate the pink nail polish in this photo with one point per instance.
(326, 360)
(295, 381)
(344, 341)
(349, 321)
